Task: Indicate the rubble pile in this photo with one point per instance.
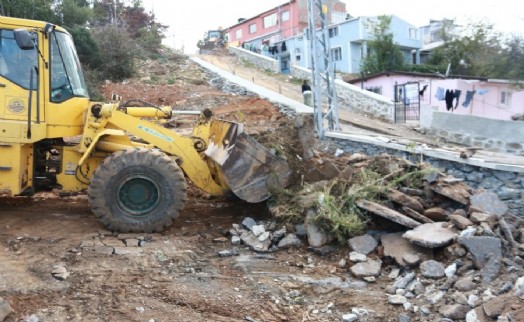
(442, 249)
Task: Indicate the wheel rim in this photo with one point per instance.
(138, 196)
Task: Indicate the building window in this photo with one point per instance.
(300, 38)
(375, 89)
(285, 15)
(336, 53)
(505, 98)
(333, 32)
(252, 28)
(238, 34)
(270, 20)
(370, 25)
(413, 33)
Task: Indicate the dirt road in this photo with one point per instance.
(174, 276)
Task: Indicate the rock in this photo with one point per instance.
(455, 311)
(357, 257)
(369, 268)
(451, 270)
(435, 297)
(473, 300)
(460, 212)
(60, 273)
(486, 253)
(364, 244)
(460, 222)
(5, 309)
(404, 200)
(465, 284)
(315, 235)
(250, 240)
(264, 236)
(404, 281)
(397, 299)
(403, 317)
(279, 234)
(518, 289)
(128, 251)
(300, 230)
(397, 247)
(228, 252)
(248, 223)
(432, 269)
(448, 283)
(387, 213)
(394, 273)
(494, 307)
(468, 232)
(291, 240)
(459, 298)
(361, 313)
(479, 217)
(456, 250)
(104, 250)
(471, 316)
(349, 317)
(258, 230)
(431, 235)
(411, 260)
(436, 214)
(370, 279)
(489, 203)
(235, 240)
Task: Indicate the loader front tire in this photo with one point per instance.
(137, 190)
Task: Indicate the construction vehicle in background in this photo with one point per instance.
(134, 169)
(213, 40)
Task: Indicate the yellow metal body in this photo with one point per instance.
(38, 144)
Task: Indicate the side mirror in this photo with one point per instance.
(24, 39)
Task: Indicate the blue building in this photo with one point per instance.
(348, 42)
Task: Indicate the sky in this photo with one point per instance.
(188, 20)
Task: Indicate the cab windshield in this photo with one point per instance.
(67, 78)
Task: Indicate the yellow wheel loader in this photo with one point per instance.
(134, 169)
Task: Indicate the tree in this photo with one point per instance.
(384, 54)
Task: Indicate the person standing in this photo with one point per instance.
(306, 92)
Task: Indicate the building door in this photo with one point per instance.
(407, 102)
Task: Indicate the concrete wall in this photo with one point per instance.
(258, 60)
(351, 97)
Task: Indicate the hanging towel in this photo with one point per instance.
(449, 99)
(469, 97)
(439, 95)
(481, 91)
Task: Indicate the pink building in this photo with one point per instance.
(279, 23)
(490, 98)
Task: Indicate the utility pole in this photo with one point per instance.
(322, 68)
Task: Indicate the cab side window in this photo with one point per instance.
(15, 63)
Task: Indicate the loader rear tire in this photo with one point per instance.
(137, 190)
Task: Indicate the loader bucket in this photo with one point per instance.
(248, 167)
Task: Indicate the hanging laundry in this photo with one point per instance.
(421, 92)
(469, 97)
(449, 99)
(457, 96)
(439, 95)
(481, 91)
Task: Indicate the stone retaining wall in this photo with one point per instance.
(260, 61)
(509, 186)
(352, 97)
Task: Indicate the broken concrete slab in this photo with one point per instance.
(417, 216)
(486, 253)
(457, 192)
(404, 200)
(436, 214)
(489, 203)
(364, 244)
(397, 247)
(431, 235)
(387, 213)
(368, 268)
(479, 217)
